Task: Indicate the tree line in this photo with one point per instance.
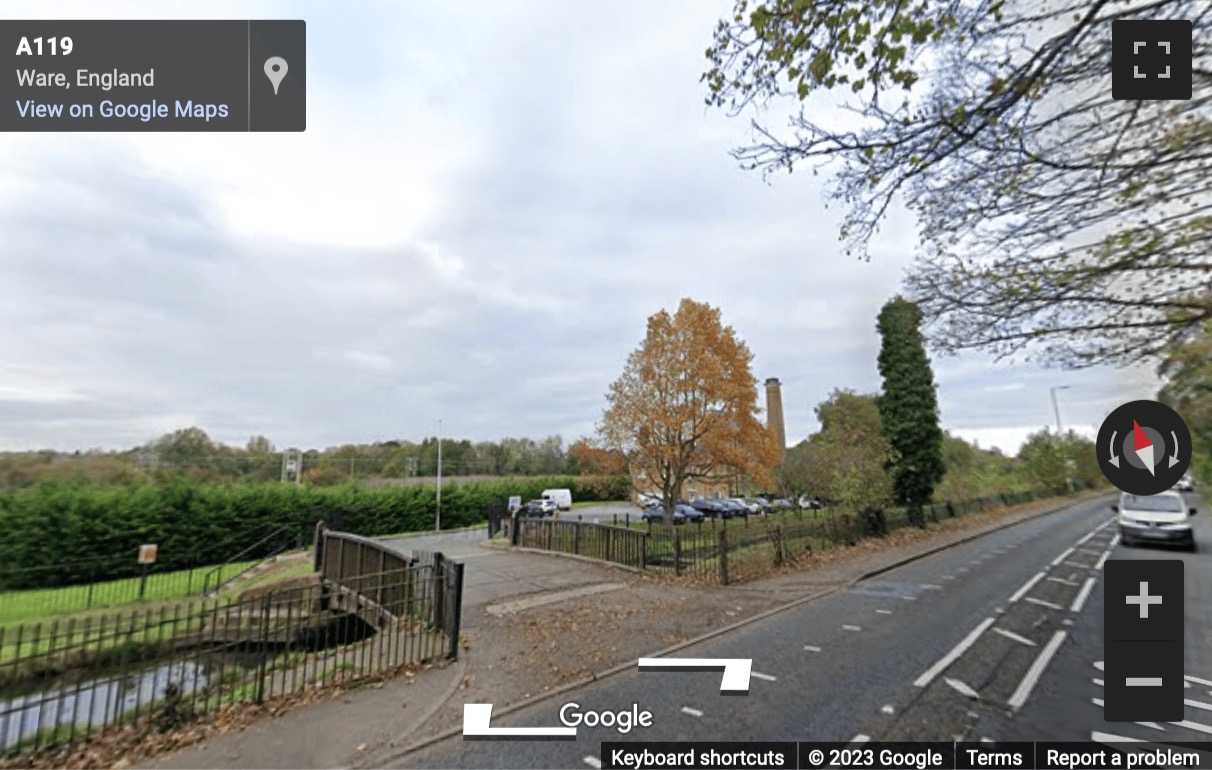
(192, 454)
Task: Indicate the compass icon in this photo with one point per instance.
(1144, 448)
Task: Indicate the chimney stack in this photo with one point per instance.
(774, 415)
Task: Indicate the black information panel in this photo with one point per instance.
(1143, 640)
(1127, 755)
(153, 75)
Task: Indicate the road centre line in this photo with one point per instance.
(860, 738)
(1086, 537)
(1014, 636)
(765, 677)
(1042, 603)
(811, 648)
(929, 674)
(1020, 593)
(1037, 669)
(691, 712)
(883, 612)
(1063, 556)
(852, 628)
(1082, 595)
(1196, 726)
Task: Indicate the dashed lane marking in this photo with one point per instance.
(961, 688)
(887, 709)
(1063, 556)
(764, 677)
(1102, 560)
(860, 738)
(948, 577)
(1063, 580)
(691, 712)
(1197, 680)
(1082, 595)
(592, 761)
(1196, 726)
(1098, 682)
(811, 648)
(1154, 725)
(1098, 664)
(1199, 705)
(1042, 603)
(929, 674)
(1111, 738)
(1014, 636)
(883, 612)
(852, 628)
(1037, 669)
(1021, 592)
(1087, 537)
(931, 587)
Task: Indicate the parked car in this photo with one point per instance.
(810, 503)
(539, 508)
(710, 508)
(750, 508)
(763, 505)
(682, 513)
(1162, 518)
(735, 507)
(1186, 484)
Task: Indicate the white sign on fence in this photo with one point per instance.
(515, 503)
(147, 554)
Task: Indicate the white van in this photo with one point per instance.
(561, 497)
(1162, 518)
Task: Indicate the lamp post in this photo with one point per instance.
(1056, 410)
(1056, 406)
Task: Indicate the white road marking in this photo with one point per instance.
(1014, 636)
(887, 709)
(948, 577)
(1063, 556)
(591, 761)
(766, 677)
(1036, 671)
(1099, 702)
(1062, 580)
(1020, 593)
(1098, 664)
(811, 648)
(961, 688)
(1102, 560)
(1082, 595)
(860, 738)
(883, 612)
(691, 712)
(956, 651)
(1115, 540)
(1196, 726)
(931, 587)
(1091, 551)
(1099, 682)
(1093, 532)
(852, 628)
(986, 740)
(1197, 680)
(1042, 603)
(1199, 705)
(1067, 622)
(962, 569)
(1109, 738)
(909, 598)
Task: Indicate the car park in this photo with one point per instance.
(1161, 518)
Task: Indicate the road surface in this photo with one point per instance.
(996, 639)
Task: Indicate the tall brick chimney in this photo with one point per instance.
(774, 414)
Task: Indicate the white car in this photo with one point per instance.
(1186, 484)
(1162, 518)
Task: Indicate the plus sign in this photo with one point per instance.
(1144, 600)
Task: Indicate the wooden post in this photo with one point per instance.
(723, 556)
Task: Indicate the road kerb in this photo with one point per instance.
(631, 666)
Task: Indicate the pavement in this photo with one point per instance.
(890, 645)
(995, 639)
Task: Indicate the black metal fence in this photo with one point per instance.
(731, 550)
(63, 680)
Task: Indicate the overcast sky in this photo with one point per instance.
(490, 199)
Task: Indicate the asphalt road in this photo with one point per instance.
(996, 639)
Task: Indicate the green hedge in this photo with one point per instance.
(65, 533)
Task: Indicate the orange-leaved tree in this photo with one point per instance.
(685, 406)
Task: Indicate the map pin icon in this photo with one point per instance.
(275, 70)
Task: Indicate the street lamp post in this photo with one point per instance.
(1056, 406)
(437, 524)
(1059, 429)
